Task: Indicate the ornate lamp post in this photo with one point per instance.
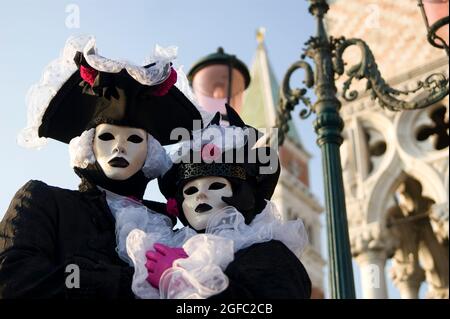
(327, 52)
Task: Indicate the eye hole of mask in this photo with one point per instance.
(191, 190)
(217, 186)
(106, 137)
(135, 139)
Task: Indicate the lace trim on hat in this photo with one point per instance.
(156, 70)
(40, 94)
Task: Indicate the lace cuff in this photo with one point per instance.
(138, 242)
(201, 274)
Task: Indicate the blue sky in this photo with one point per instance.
(32, 33)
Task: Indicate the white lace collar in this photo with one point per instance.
(266, 226)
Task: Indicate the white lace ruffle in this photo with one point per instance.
(131, 214)
(61, 69)
(198, 276)
(201, 275)
(133, 217)
(266, 226)
(40, 94)
(137, 230)
(140, 240)
(152, 75)
(156, 164)
(81, 152)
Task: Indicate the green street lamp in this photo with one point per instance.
(327, 54)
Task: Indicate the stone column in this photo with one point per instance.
(373, 279)
(434, 256)
(370, 248)
(407, 276)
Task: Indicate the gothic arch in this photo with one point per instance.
(380, 123)
(381, 195)
(432, 183)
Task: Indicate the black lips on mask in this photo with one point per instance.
(134, 186)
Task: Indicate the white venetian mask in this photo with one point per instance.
(203, 198)
(121, 151)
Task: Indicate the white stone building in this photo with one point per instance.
(396, 166)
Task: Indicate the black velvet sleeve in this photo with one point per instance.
(30, 265)
(266, 270)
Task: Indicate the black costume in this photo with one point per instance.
(263, 270)
(266, 270)
(47, 228)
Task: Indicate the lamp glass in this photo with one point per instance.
(211, 83)
(435, 10)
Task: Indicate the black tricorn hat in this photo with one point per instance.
(91, 97)
(255, 178)
(242, 171)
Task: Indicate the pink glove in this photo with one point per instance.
(160, 260)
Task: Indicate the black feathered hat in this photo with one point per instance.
(99, 90)
(253, 180)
